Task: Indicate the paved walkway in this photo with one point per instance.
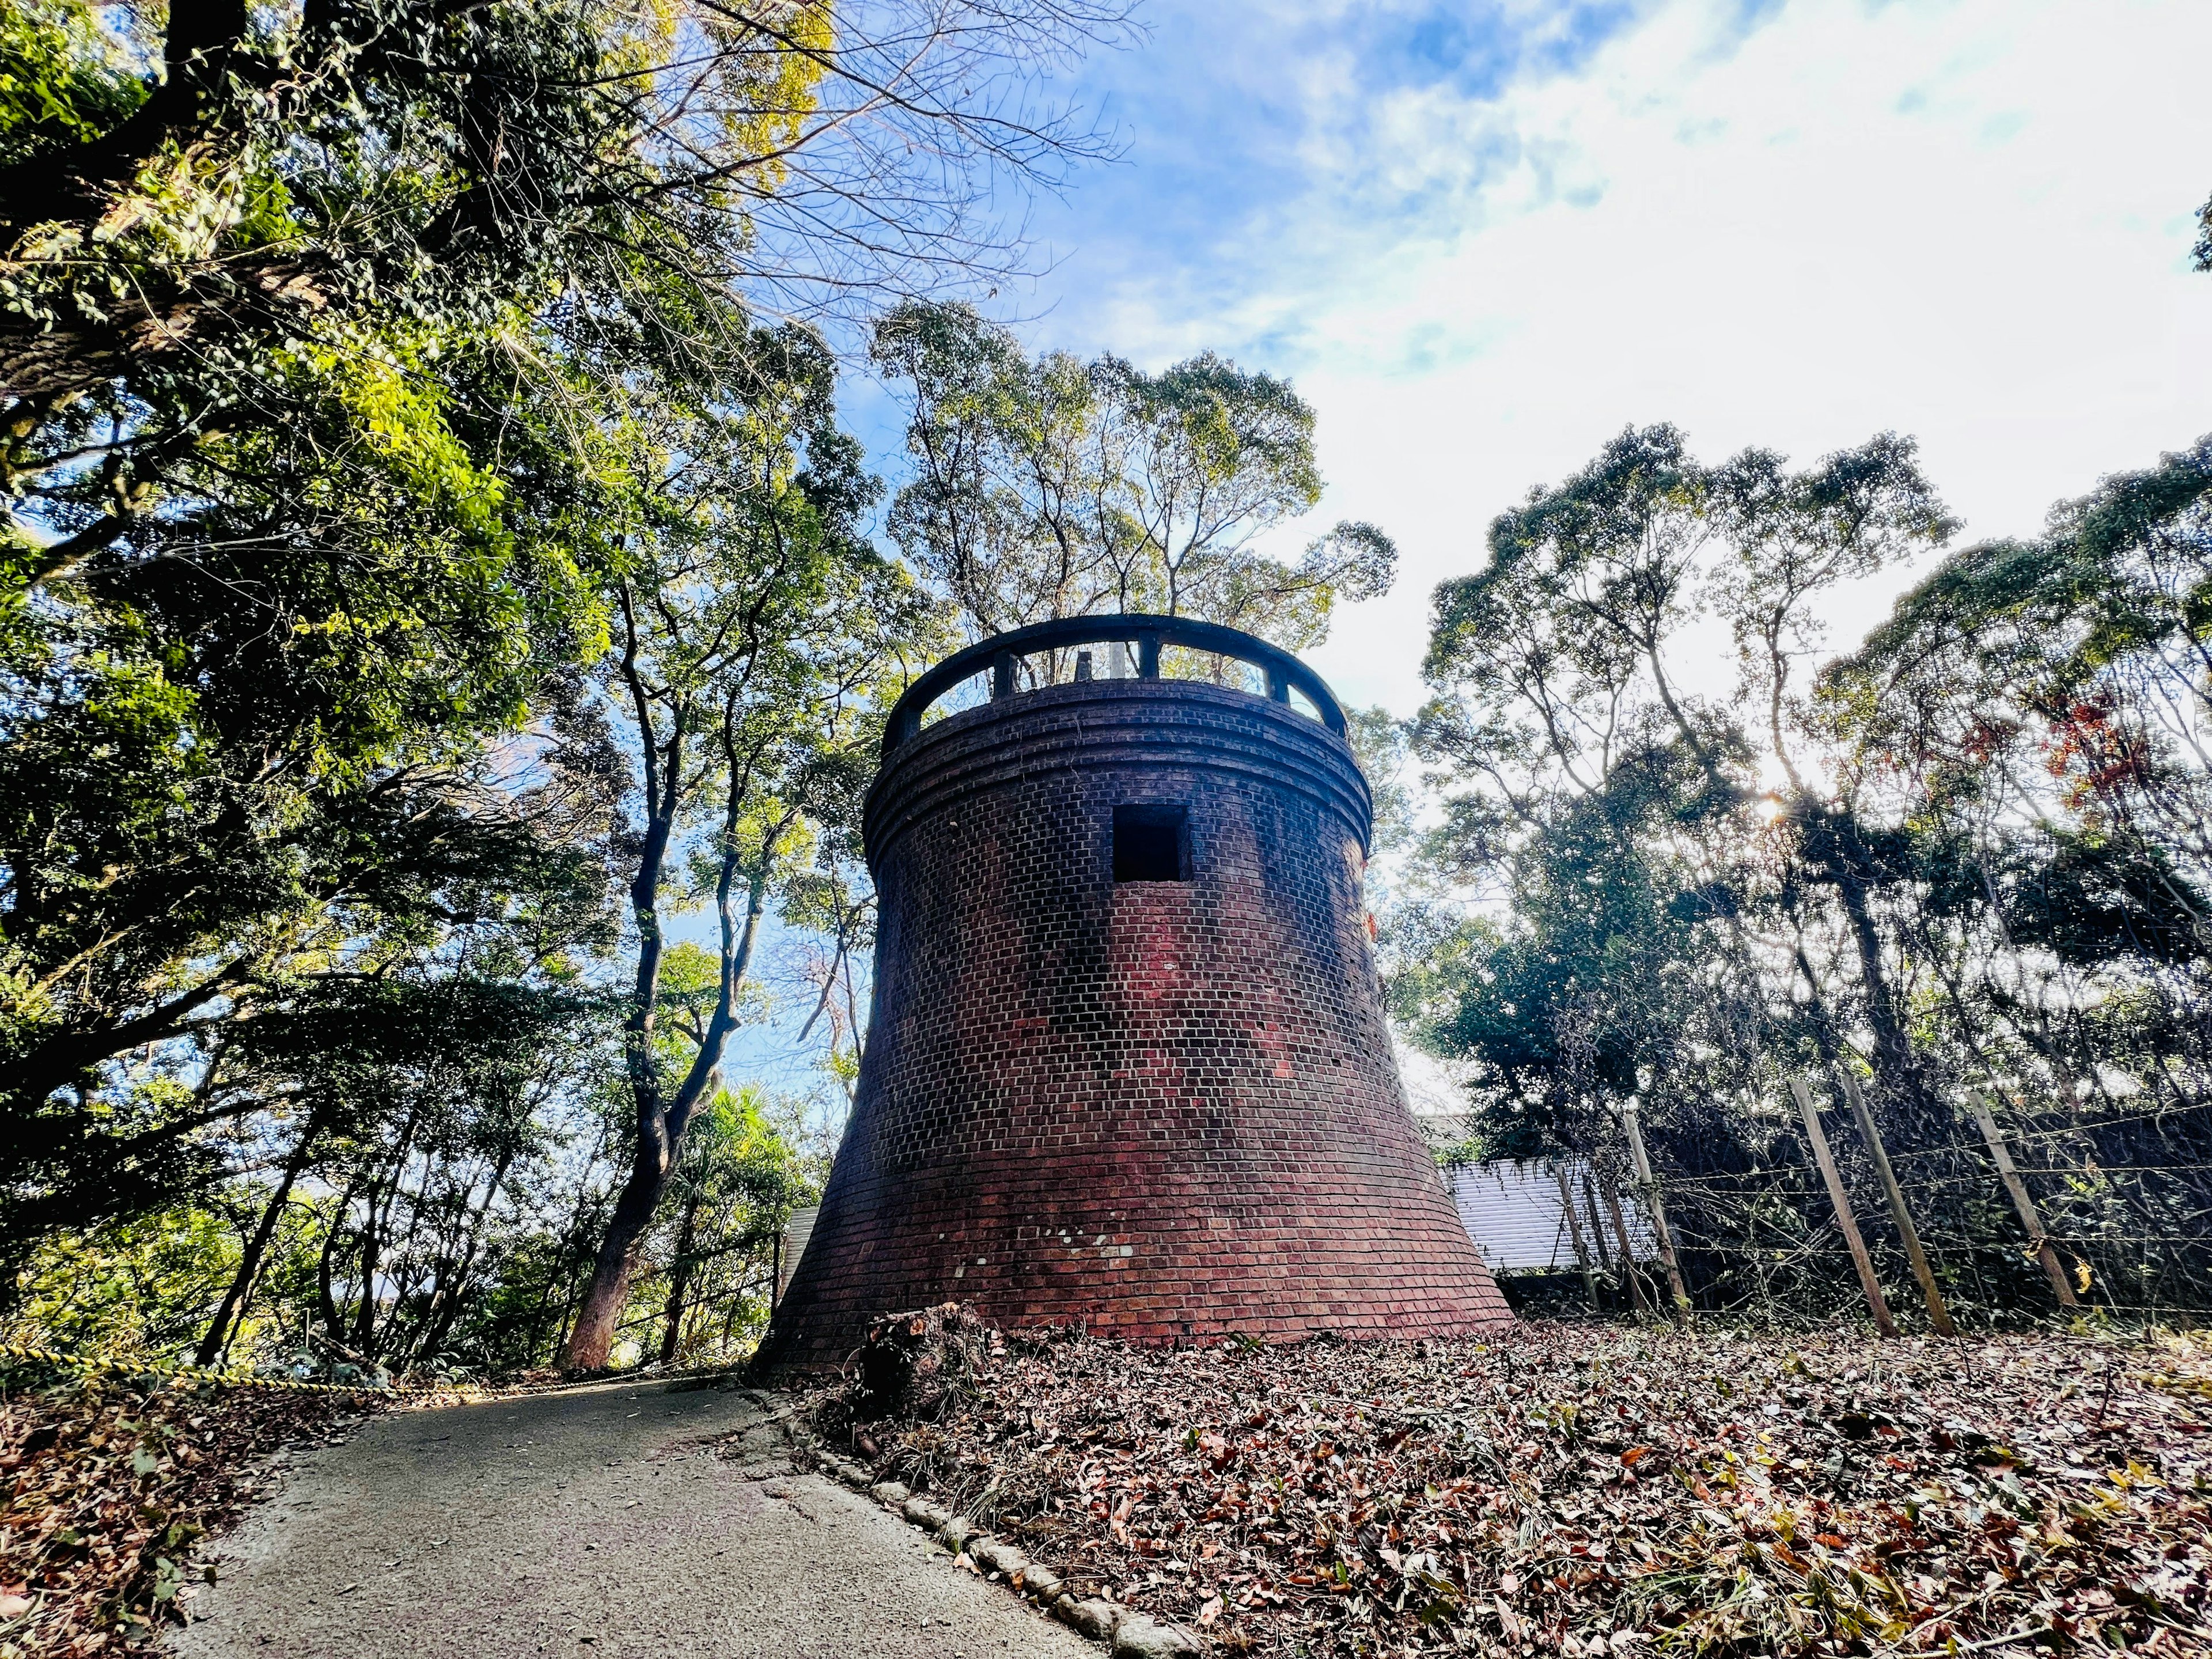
(605, 1522)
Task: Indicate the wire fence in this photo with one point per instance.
(2123, 1200)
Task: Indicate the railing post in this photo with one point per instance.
(1148, 656)
(1938, 1314)
(1002, 676)
(1279, 686)
(1575, 1233)
(1666, 1235)
(1627, 1253)
(2038, 1240)
(1841, 1200)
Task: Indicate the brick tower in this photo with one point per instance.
(1126, 1063)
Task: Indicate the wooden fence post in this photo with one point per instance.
(1597, 1223)
(1658, 1210)
(1575, 1232)
(2038, 1240)
(1627, 1253)
(1938, 1314)
(1842, 1202)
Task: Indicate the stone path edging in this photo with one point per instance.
(1128, 1633)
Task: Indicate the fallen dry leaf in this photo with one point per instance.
(108, 1488)
(1588, 1490)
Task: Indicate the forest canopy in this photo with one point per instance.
(399, 398)
(1967, 856)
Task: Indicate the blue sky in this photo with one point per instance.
(1482, 238)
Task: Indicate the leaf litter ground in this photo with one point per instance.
(1587, 1490)
(107, 1489)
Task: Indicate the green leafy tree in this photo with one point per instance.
(2038, 709)
(486, 872)
(756, 624)
(1968, 855)
(1053, 488)
(736, 1184)
(1554, 668)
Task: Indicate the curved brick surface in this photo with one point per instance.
(1164, 1110)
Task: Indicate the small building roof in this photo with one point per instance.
(1511, 1208)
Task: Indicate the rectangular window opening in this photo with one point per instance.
(1151, 843)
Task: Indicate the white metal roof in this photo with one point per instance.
(796, 1232)
(1511, 1209)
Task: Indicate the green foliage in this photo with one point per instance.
(707, 1279)
(141, 1289)
(65, 78)
(371, 368)
(1970, 855)
(1604, 984)
(758, 626)
(1055, 488)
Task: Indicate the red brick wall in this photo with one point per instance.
(1167, 1110)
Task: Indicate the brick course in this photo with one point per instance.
(1166, 1110)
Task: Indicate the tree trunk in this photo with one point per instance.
(660, 1128)
(1893, 1050)
(374, 1223)
(1843, 866)
(593, 1338)
(679, 1279)
(325, 1302)
(249, 1265)
(453, 1294)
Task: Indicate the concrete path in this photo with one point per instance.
(605, 1522)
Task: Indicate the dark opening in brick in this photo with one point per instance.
(1151, 843)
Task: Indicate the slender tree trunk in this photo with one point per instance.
(679, 1279)
(378, 1217)
(1892, 1051)
(325, 1301)
(571, 1298)
(396, 1338)
(591, 1338)
(1846, 876)
(453, 1294)
(2041, 1038)
(234, 1300)
(364, 1313)
(660, 1128)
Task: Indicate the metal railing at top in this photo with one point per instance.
(1001, 656)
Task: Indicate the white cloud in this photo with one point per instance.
(1966, 221)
